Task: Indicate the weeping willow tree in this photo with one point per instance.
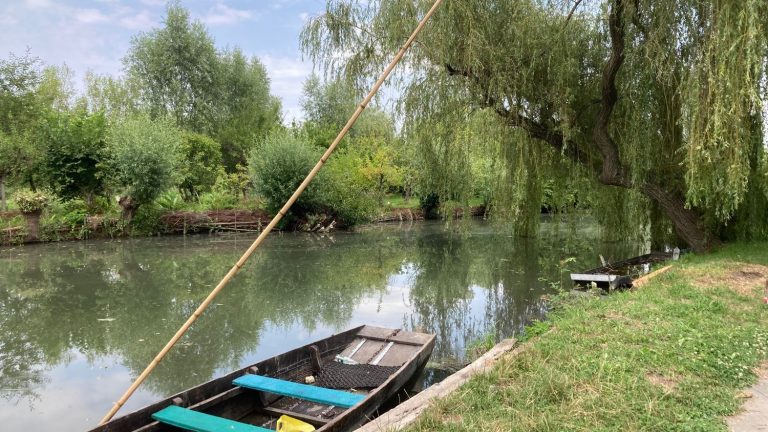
(652, 108)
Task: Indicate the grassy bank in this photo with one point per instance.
(673, 355)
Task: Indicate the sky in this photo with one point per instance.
(95, 35)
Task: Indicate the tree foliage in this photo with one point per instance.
(249, 111)
(279, 165)
(200, 164)
(650, 103)
(74, 148)
(177, 69)
(143, 155)
(224, 94)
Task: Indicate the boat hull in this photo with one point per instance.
(409, 351)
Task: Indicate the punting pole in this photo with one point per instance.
(239, 264)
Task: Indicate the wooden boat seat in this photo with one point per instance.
(299, 391)
(201, 422)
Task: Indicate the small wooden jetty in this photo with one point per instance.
(334, 384)
(619, 274)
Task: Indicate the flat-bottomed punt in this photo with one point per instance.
(352, 374)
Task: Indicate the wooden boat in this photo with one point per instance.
(354, 373)
(619, 274)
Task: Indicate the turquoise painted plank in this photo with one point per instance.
(201, 422)
(299, 391)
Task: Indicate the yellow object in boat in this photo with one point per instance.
(290, 424)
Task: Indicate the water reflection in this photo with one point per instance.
(80, 320)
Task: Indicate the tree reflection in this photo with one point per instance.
(124, 299)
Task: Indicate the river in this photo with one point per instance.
(80, 320)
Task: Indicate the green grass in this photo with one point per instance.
(670, 356)
(396, 201)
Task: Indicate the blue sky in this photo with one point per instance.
(95, 35)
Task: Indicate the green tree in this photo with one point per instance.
(201, 163)
(177, 69)
(20, 78)
(225, 95)
(650, 100)
(115, 97)
(9, 160)
(249, 111)
(74, 148)
(142, 158)
(327, 107)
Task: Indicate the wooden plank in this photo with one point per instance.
(353, 347)
(368, 351)
(404, 341)
(376, 332)
(408, 411)
(201, 422)
(411, 338)
(644, 280)
(299, 391)
(277, 412)
(398, 355)
(588, 277)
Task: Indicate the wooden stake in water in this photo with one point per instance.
(239, 264)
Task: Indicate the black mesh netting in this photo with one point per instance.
(337, 375)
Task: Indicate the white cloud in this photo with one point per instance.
(7, 20)
(223, 14)
(304, 17)
(36, 4)
(154, 2)
(90, 16)
(140, 21)
(287, 76)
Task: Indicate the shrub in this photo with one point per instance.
(143, 157)
(343, 190)
(222, 196)
(171, 200)
(279, 165)
(201, 163)
(340, 189)
(30, 201)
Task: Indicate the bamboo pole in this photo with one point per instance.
(637, 283)
(239, 264)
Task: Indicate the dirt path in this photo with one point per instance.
(754, 418)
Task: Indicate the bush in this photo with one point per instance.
(343, 190)
(171, 200)
(143, 157)
(201, 163)
(222, 196)
(278, 166)
(29, 201)
(283, 161)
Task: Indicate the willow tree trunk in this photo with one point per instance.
(688, 224)
(3, 203)
(129, 207)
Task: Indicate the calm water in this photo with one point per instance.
(78, 321)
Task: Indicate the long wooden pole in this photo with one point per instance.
(239, 264)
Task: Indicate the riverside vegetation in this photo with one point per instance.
(647, 114)
(672, 355)
(188, 128)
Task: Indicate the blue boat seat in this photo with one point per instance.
(201, 422)
(299, 391)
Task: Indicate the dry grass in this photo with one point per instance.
(668, 383)
(740, 277)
